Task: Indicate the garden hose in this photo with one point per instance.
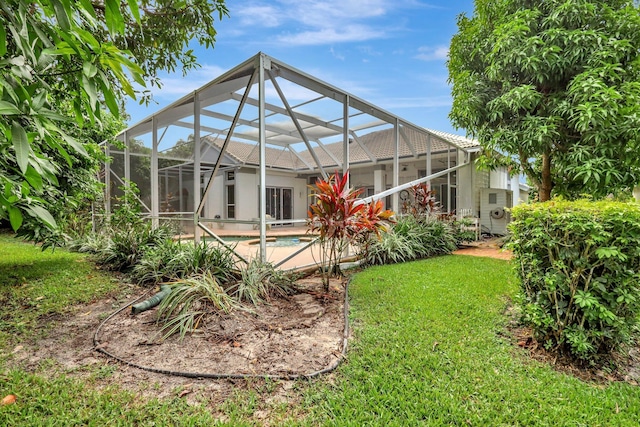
(208, 375)
(145, 305)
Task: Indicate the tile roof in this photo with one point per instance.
(379, 143)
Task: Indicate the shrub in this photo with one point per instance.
(340, 219)
(189, 303)
(171, 260)
(127, 246)
(462, 231)
(579, 267)
(411, 238)
(260, 281)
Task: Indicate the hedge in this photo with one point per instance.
(579, 267)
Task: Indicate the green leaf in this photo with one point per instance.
(74, 143)
(20, 145)
(113, 16)
(86, 5)
(61, 15)
(42, 214)
(3, 40)
(15, 217)
(7, 108)
(135, 11)
(89, 87)
(34, 178)
(89, 69)
(109, 98)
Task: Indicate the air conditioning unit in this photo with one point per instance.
(494, 216)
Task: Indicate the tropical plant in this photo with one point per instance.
(424, 201)
(260, 281)
(190, 301)
(410, 238)
(463, 231)
(126, 247)
(390, 248)
(554, 87)
(339, 218)
(578, 267)
(172, 260)
(125, 238)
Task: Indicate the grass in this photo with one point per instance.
(36, 286)
(428, 348)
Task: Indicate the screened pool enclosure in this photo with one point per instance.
(240, 152)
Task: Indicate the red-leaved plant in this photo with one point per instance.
(425, 203)
(338, 219)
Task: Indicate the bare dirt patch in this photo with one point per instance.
(490, 248)
(624, 366)
(295, 336)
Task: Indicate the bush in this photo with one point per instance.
(189, 303)
(410, 238)
(173, 260)
(260, 281)
(127, 246)
(579, 267)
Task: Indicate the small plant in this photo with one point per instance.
(462, 231)
(260, 281)
(411, 238)
(191, 300)
(173, 260)
(422, 202)
(339, 219)
(127, 246)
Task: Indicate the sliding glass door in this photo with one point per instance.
(280, 203)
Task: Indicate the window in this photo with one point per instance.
(493, 198)
(231, 201)
(231, 175)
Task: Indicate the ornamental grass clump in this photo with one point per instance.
(409, 239)
(579, 266)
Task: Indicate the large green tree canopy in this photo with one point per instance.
(63, 64)
(554, 87)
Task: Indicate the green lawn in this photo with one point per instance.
(428, 348)
(37, 285)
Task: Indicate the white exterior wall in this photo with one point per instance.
(493, 225)
(481, 180)
(247, 199)
(499, 178)
(213, 205)
(247, 182)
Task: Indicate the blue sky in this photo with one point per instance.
(390, 53)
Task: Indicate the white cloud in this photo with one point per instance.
(317, 22)
(175, 86)
(336, 55)
(418, 102)
(331, 35)
(435, 53)
(259, 15)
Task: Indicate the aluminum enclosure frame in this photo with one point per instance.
(301, 130)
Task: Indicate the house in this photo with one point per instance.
(201, 161)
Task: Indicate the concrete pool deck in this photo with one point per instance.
(249, 249)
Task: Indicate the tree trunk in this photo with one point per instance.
(544, 191)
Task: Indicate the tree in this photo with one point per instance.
(62, 64)
(553, 87)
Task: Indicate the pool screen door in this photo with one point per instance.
(280, 203)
